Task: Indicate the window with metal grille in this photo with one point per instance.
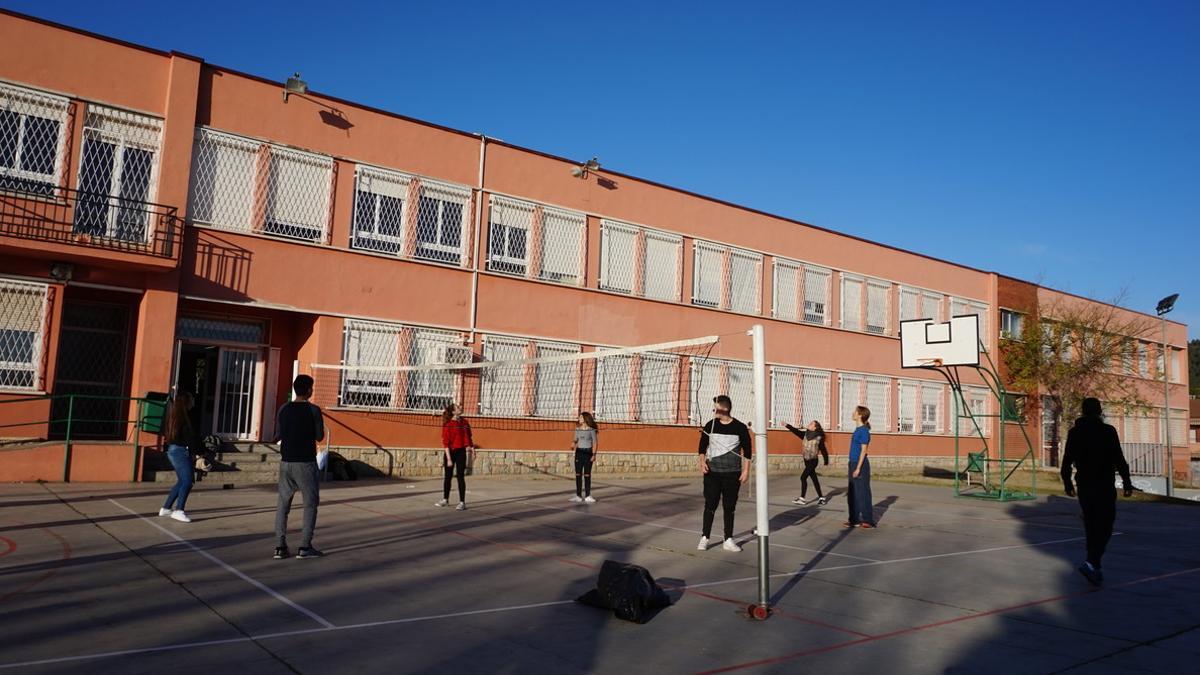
(785, 399)
(22, 333)
(118, 174)
(618, 252)
(658, 387)
(562, 246)
(371, 353)
(614, 386)
(741, 389)
(785, 289)
(726, 278)
(499, 384)
(441, 220)
(816, 294)
(850, 396)
(705, 383)
(1143, 360)
(708, 274)
(555, 384)
(33, 135)
(852, 292)
(814, 397)
(878, 306)
(1011, 324)
(916, 303)
(963, 307)
(379, 209)
(909, 393)
(878, 400)
(508, 235)
(663, 265)
(250, 186)
(976, 400)
(1176, 375)
(931, 408)
(213, 329)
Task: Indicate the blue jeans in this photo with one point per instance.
(862, 508)
(181, 459)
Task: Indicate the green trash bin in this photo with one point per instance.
(154, 412)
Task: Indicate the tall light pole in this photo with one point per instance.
(1164, 307)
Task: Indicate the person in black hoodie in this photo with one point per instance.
(1094, 450)
(813, 438)
(181, 443)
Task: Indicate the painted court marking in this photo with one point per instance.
(229, 568)
(494, 610)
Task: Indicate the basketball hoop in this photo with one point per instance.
(930, 363)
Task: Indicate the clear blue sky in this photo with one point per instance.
(1057, 142)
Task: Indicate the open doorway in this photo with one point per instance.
(227, 383)
(196, 373)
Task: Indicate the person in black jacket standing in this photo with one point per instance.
(299, 428)
(725, 464)
(1094, 450)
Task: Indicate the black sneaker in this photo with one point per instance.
(309, 552)
(1093, 575)
(281, 552)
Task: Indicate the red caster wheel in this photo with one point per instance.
(758, 612)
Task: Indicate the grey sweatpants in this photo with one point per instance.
(295, 476)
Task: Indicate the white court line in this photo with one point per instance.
(230, 568)
(493, 610)
(693, 532)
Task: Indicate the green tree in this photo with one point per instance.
(1194, 367)
(1073, 350)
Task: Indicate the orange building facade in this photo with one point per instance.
(165, 222)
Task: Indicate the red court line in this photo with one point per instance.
(576, 563)
(66, 555)
(12, 546)
(938, 624)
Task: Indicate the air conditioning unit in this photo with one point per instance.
(452, 354)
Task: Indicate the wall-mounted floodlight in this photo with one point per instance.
(294, 85)
(1166, 304)
(590, 166)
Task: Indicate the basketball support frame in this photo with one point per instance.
(996, 468)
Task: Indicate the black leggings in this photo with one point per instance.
(720, 487)
(810, 471)
(583, 472)
(458, 460)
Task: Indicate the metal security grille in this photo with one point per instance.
(976, 398)
(706, 383)
(878, 306)
(850, 395)
(237, 391)
(785, 397)
(212, 329)
(785, 289)
(379, 209)
(497, 396)
(962, 307)
(741, 389)
(852, 297)
(1143, 360)
(33, 137)
(553, 239)
(640, 262)
(372, 351)
(879, 397)
(814, 396)
(1179, 427)
(441, 221)
(658, 386)
(916, 303)
(727, 278)
(92, 344)
(816, 294)
(552, 380)
(248, 186)
(22, 334)
(909, 391)
(614, 387)
(921, 407)
(931, 408)
(118, 174)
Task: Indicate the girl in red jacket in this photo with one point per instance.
(456, 437)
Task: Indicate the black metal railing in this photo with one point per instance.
(90, 219)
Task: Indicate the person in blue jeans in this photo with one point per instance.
(862, 508)
(179, 437)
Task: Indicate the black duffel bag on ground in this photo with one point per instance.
(628, 590)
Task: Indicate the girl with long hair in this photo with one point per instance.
(456, 442)
(862, 509)
(813, 437)
(178, 436)
(585, 447)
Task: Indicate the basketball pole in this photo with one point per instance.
(762, 609)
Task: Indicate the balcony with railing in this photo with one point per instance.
(71, 224)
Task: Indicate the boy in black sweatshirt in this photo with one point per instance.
(724, 463)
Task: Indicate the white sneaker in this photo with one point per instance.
(821, 501)
(180, 516)
(462, 506)
(575, 499)
(441, 502)
(800, 500)
(703, 545)
(162, 513)
(731, 545)
(589, 500)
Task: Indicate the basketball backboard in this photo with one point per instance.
(925, 342)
